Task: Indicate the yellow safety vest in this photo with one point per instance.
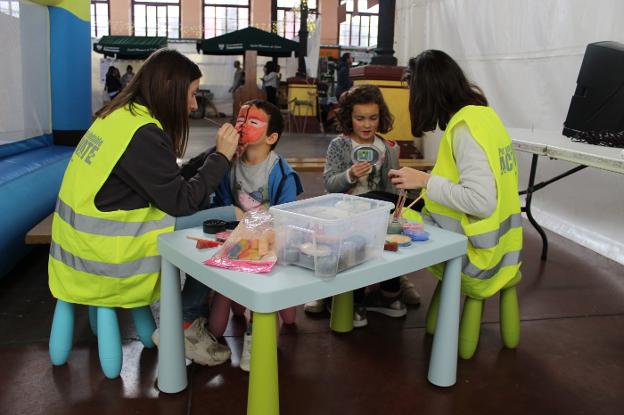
(104, 258)
(495, 242)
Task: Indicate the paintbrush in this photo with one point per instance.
(416, 200)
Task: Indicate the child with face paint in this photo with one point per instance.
(258, 177)
(362, 114)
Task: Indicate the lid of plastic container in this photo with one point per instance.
(333, 207)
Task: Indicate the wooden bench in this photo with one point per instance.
(318, 164)
(41, 233)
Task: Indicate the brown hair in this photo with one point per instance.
(362, 94)
(161, 84)
(438, 89)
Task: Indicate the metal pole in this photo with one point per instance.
(303, 39)
(384, 54)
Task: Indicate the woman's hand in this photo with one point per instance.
(408, 178)
(227, 140)
(360, 169)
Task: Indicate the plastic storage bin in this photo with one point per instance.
(330, 233)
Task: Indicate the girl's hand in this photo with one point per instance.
(360, 169)
(227, 140)
(408, 178)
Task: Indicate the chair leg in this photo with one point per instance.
(109, 342)
(93, 319)
(341, 319)
(432, 312)
(62, 332)
(144, 325)
(470, 327)
(509, 317)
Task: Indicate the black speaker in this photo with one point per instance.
(597, 107)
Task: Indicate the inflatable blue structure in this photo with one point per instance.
(31, 168)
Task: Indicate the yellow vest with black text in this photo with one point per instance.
(495, 242)
(100, 258)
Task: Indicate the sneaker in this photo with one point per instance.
(359, 316)
(200, 345)
(245, 358)
(389, 306)
(409, 294)
(314, 307)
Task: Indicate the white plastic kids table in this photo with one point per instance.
(288, 286)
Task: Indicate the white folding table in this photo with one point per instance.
(555, 145)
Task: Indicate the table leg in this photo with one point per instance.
(527, 207)
(263, 394)
(171, 363)
(443, 364)
(341, 320)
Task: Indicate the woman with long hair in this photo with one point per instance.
(123, 187)
(473, 187)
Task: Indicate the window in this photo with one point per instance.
(10, 8)
(99, 18)
(156, 18)
(360, 28)
(224, 16)
(289, 18)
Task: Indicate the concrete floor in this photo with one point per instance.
(570, 359)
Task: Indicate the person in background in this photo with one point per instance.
(123, 188)
(113, 82)
(362, 114)
(259, 177)
(473, 187)
(270, 82)
(343, 82)
(237, 79)
(278, 70)
(127, 77)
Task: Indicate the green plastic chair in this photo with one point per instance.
(470, 324)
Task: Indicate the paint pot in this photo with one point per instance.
(402, 240)
(417, 236)
(213, 226)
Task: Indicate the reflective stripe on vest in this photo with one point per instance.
(108, 227)
(481, 241)
(470, 269)
(144, 265)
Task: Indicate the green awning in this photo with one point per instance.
(129, 47)
(250, 38)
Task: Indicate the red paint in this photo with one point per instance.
(251, 123)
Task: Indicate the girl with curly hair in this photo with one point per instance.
(363, 114)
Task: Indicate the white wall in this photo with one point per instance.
(526, 55)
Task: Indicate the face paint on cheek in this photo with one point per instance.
(254, 127)
(242, 117)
